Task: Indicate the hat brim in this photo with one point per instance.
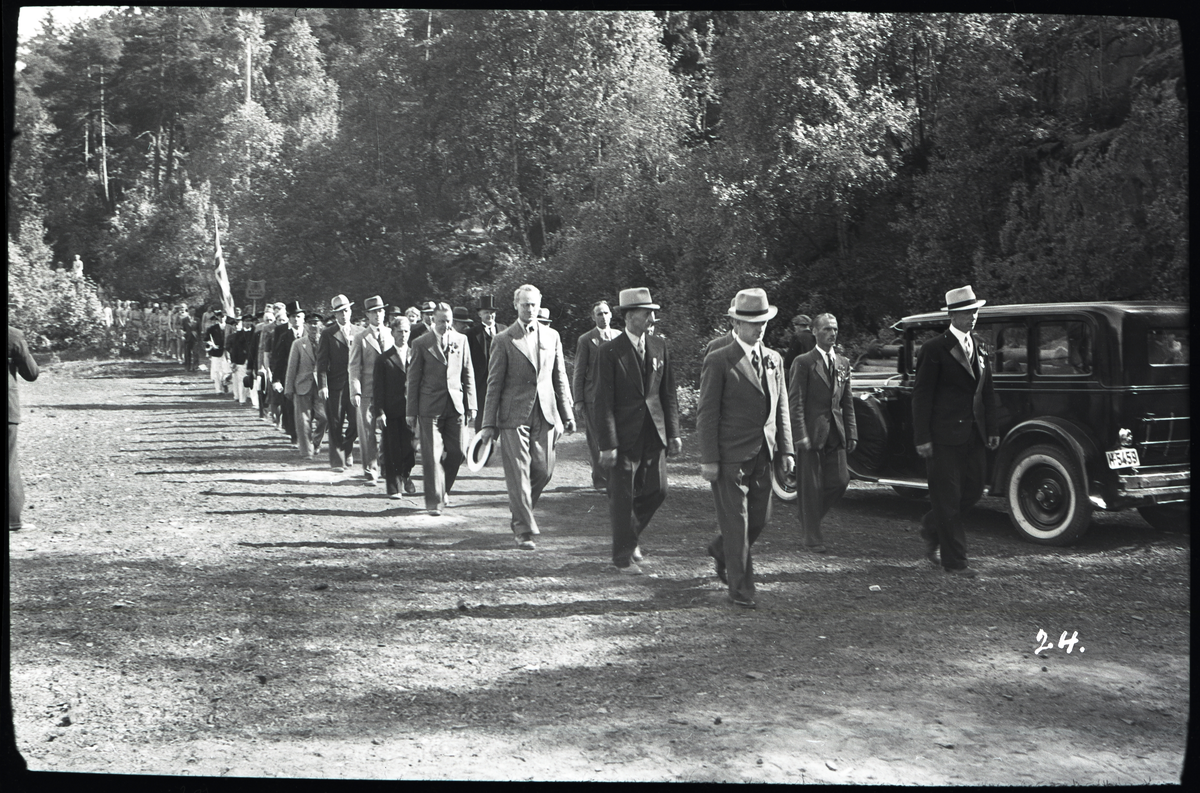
(343, 305)
(653, 306)
(771, 312)
(968, 307)
(478, 453)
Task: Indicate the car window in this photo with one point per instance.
(918, 338)
(1169, 347)
(1064, 348)
(1009, 343)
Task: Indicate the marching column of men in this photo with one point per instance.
(429, 377)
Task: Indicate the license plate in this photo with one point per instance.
(1123, 458)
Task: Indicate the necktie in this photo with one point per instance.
(641, 350)
(828, 366)
(756, 363)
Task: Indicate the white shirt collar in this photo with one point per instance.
(749, 349)
(635, 340)
(958, 334)
(826, 355)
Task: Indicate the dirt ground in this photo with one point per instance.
(195, 600)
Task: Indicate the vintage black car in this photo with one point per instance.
(1094, 413)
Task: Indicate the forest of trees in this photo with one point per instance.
(858, 163)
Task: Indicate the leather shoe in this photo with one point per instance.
(637, 554)
(720, 566)
(745, 603)
(965, 572)
(630, 569)
(396, 496)
(435, 512)
(817, 548)
(525, 542)
(409, 487)
(931, 553)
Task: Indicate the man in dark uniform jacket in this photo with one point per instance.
(954, 418)
(214, 344)
(479, 339)
(239, 357)
(285, 336)
(20, 361)
(636, 419)
(803, 340)
(584, 379)
(389, 404)
(333, 376)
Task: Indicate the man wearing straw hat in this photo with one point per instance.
(333, 375)
(954, 419)
(583, 383)
(528, 404)
(636, 417)
(370, 344)
(744, 428)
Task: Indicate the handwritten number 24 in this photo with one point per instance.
(1063, 641)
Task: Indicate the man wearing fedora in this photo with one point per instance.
(462, 320)
(636, 416)
(954, 422)
(370, 344)
(824, 428)
(427, 309)
(528, 404)
(583, 383)
(441, 399)
(300, 385)
(333, 376)
(390, 406)
(479, 339)
(285, 336)
(744, 427)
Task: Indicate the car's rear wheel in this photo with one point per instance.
(1167, 517)
(1047, 496)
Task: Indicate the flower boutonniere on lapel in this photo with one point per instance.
(452, 348)
(841, 374)
(655, 364)
(770, 363)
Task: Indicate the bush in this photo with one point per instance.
(56, 310)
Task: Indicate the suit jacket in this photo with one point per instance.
(391, 383)
(301, 368)
(735, 417)
(802, 343)
(216, 334)
(950, 396)
(436, 382)
(627, 394)
(363, 353)
(718, 343)
(821, 407)
(281, 348)
(514, 384)
(239, 347)
(333, 357)
(266, 347)
(20, 361)
(481, 357)
(583, 380)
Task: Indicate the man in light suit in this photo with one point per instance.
(368, 346)
(528, 404)
(301, 387)
(441, 398)
(389, 403)
(744, 428)
(823, 427)
(583, 383)
(637, 424)
(333, 375)
(954, 419)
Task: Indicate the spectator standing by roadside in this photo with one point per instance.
(21, 362)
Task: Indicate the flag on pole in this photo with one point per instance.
(222, 276)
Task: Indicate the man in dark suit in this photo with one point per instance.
(744, 425)
(441, 399)
(636, 424)
(214, 345)
(285, 336)
(954, 419)
(390, 406)
(20, 362)
(803, 340)
(239, 356)
(583, 383)
(823, 427)
(333, 375)
(480, 339)
(528, 406)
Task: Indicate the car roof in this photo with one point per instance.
(1115, 311)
